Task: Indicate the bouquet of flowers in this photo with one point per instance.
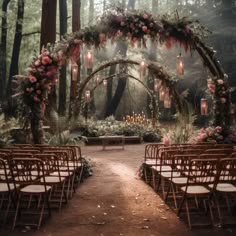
(210, 134)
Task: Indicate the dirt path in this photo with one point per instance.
(115, 202)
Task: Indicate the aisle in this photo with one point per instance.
(114, 202)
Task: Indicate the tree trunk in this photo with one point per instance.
(3, 51)
(111, 108)
(48, 22)
(155, 7)
(112, 103)
(91, 11)
(74, 88)
(62, 83)
(15, 54)
(131, 4)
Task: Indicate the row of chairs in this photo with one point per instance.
(36, 179)
(199, 174)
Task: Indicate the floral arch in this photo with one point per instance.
(135, 27)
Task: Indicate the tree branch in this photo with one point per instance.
(31, 33)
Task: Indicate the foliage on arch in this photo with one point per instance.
(136, 27)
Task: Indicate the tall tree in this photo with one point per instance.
(62, 83)
(15, 53)
(3, 50)
(73, 110)
(91, 11)
(48, 35)
(113, 102)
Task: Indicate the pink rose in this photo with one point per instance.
(122, 23)
(49, 74)
(36, 99)
(38, 92)
(30, 90)
(144, 28)
(37, 63)
(145, 16)
(220, 81)
(151, 24)
(46, 60)
(221, 137)
(218, 128)
(32, 79)
(223, 100)
(210, 134)
(37, 85)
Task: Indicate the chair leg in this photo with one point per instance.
(188, 214)
(17, 211)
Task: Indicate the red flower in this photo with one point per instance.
(46, 60)
(37, 63)
(32, 79)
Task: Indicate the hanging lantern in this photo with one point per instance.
(97, 80)
(180, 65)
(87, 96)
(204, 107)
(89, 60)
(104, 82)
(162, 93)
(74, 69)
(167, 102)
(142, 68)
(157, 84)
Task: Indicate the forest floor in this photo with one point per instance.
(115, 202)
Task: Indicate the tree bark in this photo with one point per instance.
(74, 88)
(15, 55)
(62, 83)
(48, 22)
(3, 51)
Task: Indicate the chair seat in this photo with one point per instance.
(62, 174)
(169, 174)
(161, 168)
(33, 188)
(52, 179)
(224, 187)
(150, 162)
(180, 180)
(4, 187)
(195, 189)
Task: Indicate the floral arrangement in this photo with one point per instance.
(210, 134)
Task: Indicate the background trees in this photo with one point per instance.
(21, 33)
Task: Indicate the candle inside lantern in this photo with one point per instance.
(74, 69)
(162, 94)
(89, 60)
(87, 96)
(167, 102)
(104, 82)
(97, 80)
(142, 68)
(204, 107)
(180, 65)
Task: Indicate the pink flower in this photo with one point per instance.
(221, 137)
(223, 100)
(30, 90)
(145, 16)
(144, 28)
(49, 73)
(43, 81)
(151, 24)
(37, 85)
(166, 141)
(36, 99)
(122, 23)
(218, 128)
(220, 81)
(32, 79)
(38, 92)
(37, 63)
(102, 38)
(46, 60)
(210, 134)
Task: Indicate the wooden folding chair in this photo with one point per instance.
(224, 191)
(201, 173)
(7, 191)
(33, 195)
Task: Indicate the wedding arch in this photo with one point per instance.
(136, 28)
